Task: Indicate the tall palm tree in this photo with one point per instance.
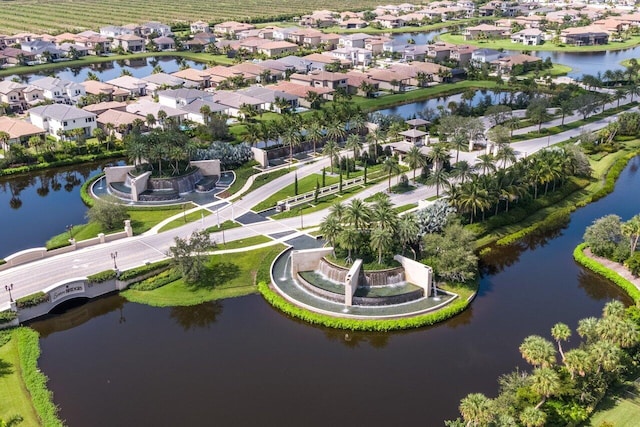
(354, 143)
(375, 137)
(459, 141)
(331, 228)
(631, 229)
(486, 162)
(506, 154)
(415, 160)
(315, 131)
(391, 167)
(473, 197)
(560, 332)
(337, 210)
(439, 178)
(476, 410)
(331, 149)
(381, 241)
(349, 238)
(438, 155)
(545, 382)
(407, 230)
(336, 131)
(383, 215)
(577, 361)
(292, 138)
(533, 417)
(357, 214)
(538, 351)
(4, 140)
(462, 170)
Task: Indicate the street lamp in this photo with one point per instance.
(114, 255)
(70, 230)
(9, 288)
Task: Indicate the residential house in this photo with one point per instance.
(271, 98)
(200, 27)
(506, 64)
(353, 40)
(353, 23)
(161, 81)
(356, 78)
(113, 31)
(120, 121)
(330, 40)
(164, 43)
(528, 37)
(462, 54)
(201, 79)
(485, 56)
(415, 52)
(105, 91)
(101, 107)
(307, 37)
(319, 19)
(60, 91)
(394, 46)
(584, 36)
(155, 29)
(319, 61)
(144, 108)
(17, 56)
(129, 43)
(390, 21)
(96, 44)
(135, 86)
(279, 70)
(12, 94)
(389, 80)
(439, 51)
(485, 31)
(356, 56)
(73, 51)
(231, 28)
(43, 51)
(277, 48)
(236, 101)
(59, 119)
(19, 131)
(302, 92)
(33, 95)
(320, 79)
(178, 98)
(414, 71)
(376, 44)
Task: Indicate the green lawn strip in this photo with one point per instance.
(627, 62)
(403, 208)
(605, 172)
(192, 217)
(408, 28)
(305, 185)
(14, 395)
(607, 273)
(323, 203)
(92, 59)
(457, 306)
(555, 71)
(243, 243)
(386, 101)
(242, 175)
(227, 225)
(616, 410)
(23, 388)
(142, 219)
(230, 275)
(507, 44)
(554, 130)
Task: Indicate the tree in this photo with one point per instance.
(189, 255)
(315, 131)
(499, 135)
(438, 155)
(390, 167)
(462, 170)
(381, 241)
(450, 253)
(330, 228)
(439, 178)
(631, 230)
(357, 214)
(108, 212)
(566, 107)
(354, 143)
(486, 162)
(476, 410)
(533, 417)
(545, 382)
(506, 154)
(349, 239)
(498, 114)
(415, 160)
(537, 111)
(4, 140)
(538, 351)
(604, 235)
(331, 149)
(560, 332)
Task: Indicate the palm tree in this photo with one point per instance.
(354, 143)
(577, 361)
(462, 170)
(605, 356)
(407, 230)
(439, 178)
(349, 239)
(415, 160)
(545, 382)
(486, 162)
(337, 210)
(331, 149)
(330, 228)
(292, 138)
(313, 98)
(375, 137)
(473, 197)
(438, 155)
(4, 140)
(390, 166)
(505, 153)
(533, 417)
(476, 410)
(150, 119)
(566, 107)
(336, 131)
(357, 214)
(538, 351)
(459, 142)
(381, 241)
(631, 229)
(560, 332)
(619, 95)
(315, 131)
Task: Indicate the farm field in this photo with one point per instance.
(51, 16)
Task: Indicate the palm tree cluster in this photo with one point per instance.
(170, 148)
(489, 184)
(563, 392)
(366, 230)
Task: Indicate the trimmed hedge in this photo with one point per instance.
(157, 281)
(147, 268)
(102, 276)
(84, 190)
(32, 300)
(596, 267)
(34, 380)
(65, 162)
(379, 325)
(7, 316)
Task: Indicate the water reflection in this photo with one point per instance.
(197, 316)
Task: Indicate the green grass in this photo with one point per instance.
(506, 44)
(243, 243)
(14, 395)
(227, 225)
(228, 276)
(403, 208)
(242, 175)
(555, 71)
(192, 217)
(408, 29)
(619, 409)
(305, 185)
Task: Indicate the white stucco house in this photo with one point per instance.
(58, 118)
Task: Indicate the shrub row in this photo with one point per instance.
(63, 162)
(32, 300)
(556, 219)
(157, 281)
(36, 381)
(84, 190)
(7, 316)
(58, 245)
(596, 267)
(381, 325)
(145, 269)
(102, 276)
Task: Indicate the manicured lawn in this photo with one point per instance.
(228, 276)
(261, 180)
(242, 243)
(14, 395)
(506, 44)
(242, 175)
(409, 29)
(555, 71)
(194, 216)
(228, 224)
(306, 184)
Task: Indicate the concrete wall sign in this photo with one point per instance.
(68, 289)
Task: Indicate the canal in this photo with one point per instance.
(239, 362)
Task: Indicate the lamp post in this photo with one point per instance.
(9, 288)
(114, 255)
(70, 230)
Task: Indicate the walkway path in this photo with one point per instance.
(615, 266)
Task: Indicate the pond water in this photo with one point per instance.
(139, 68)
(591, 62)
(39, 205)
(239, 362)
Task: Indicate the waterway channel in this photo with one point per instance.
(239, 362)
